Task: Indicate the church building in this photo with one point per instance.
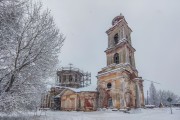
(119, 85)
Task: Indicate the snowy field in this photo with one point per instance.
(140, 114)
(143, 114)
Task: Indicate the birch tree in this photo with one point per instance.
(29, 46)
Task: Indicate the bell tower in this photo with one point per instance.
(120, 50)
(118, 83)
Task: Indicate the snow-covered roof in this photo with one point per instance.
(90, 88)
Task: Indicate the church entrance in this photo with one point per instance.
(110, 103)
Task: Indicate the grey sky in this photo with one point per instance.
(156, 30)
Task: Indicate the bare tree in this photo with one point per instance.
(29, 46)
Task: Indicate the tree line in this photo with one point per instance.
(156, 97)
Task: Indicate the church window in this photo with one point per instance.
(70, 78)
(109, 85)
(116, 58)
(116, 38)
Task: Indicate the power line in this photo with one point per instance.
(151, 81)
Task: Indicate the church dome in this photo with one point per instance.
(117, 18)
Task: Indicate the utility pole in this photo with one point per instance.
(147, 98)
(170, 100)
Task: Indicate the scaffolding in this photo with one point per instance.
(73, 77)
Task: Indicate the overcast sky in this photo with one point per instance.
(156, 36)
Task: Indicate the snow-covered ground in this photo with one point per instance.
(140, 114)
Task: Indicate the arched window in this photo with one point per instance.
(109, 85)
(116, 38)
(116, 58)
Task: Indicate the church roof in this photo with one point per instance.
(118, 19)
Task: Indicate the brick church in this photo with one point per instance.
(118, 84)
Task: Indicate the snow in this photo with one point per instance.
(90, 88)
(139, 114)
(135, 114)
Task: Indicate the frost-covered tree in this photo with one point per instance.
(29, 47)
(161, 96)
(153, 94)
(164, 95)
